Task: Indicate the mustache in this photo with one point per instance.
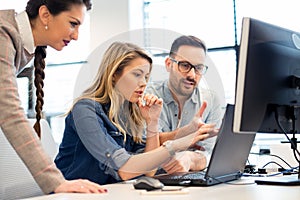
(191, 80)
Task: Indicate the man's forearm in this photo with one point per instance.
(172, 135)
(164, 136)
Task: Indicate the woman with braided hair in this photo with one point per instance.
(23, 36)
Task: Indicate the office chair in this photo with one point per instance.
(15, 179)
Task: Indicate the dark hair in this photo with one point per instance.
(186, 40)
(55, 7)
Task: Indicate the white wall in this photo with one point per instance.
(18, 5)
(108, 18)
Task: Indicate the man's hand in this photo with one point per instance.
(194, 125)
(185, 161)
(197, 121)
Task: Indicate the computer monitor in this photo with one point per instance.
(268, 80)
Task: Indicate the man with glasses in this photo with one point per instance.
(182, 113)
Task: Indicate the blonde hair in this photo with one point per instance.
(115, 59)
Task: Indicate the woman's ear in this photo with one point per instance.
(44, 15)
(115, 78)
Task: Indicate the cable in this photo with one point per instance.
(273, 174)
(273, 162)
(294, 147)
(274, 156)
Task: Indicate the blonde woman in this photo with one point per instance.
(103, 139)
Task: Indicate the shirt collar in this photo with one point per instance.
(25, 31)
(167, 93)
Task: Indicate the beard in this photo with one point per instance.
(185, 87)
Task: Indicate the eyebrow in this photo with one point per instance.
(138, 70)
(77, 20)
(142, 71)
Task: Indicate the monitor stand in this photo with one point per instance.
(287, 180)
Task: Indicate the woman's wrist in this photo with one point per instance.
(169, 146)
(152, 127)
(150, 131)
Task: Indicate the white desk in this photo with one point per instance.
(126, 191)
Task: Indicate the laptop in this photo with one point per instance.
(227, 162)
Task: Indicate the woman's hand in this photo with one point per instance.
(185, 161)
(150, 106)
(181, 162)
(80, 186)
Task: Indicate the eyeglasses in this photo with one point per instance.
(185, 67)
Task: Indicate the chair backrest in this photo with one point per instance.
(15, 179)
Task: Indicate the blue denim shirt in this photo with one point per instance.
(92, 147)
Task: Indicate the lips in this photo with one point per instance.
(189, 82)
(139, 92)
(66, 42)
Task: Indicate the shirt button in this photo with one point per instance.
(108, 155)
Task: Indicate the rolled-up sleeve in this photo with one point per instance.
(97, 139)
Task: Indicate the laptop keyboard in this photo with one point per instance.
(188, 176)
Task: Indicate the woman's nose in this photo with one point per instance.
(75, 34)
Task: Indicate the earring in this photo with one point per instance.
(46, 27)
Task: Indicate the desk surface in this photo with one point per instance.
(221, 191)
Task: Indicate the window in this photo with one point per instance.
(218, 23)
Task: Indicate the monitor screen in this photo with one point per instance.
(268, 86)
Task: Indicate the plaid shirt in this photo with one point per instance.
(13, 122)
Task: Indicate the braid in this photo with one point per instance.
(39, 75)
